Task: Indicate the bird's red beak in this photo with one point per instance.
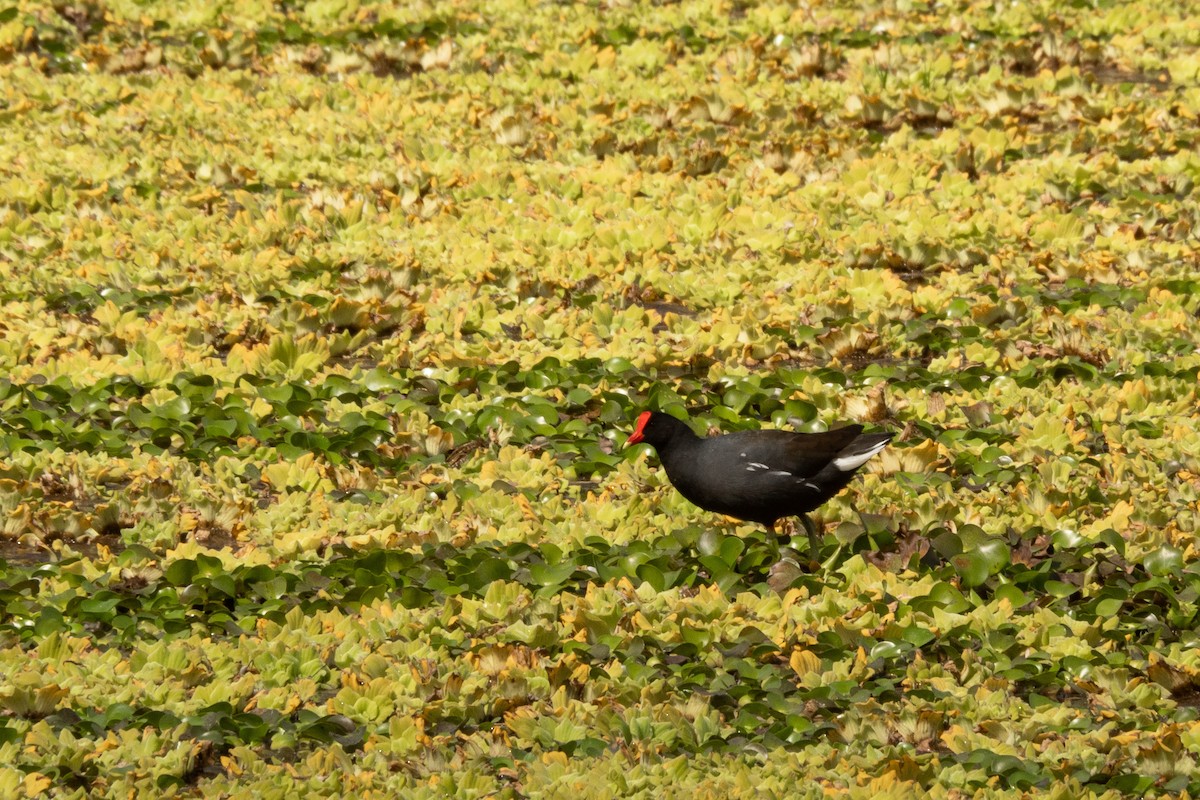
(638, 429)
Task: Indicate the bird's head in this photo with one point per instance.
(654, 428)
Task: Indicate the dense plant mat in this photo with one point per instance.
(323, 325)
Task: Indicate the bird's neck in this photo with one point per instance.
(679, 447)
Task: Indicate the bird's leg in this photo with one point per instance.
(814, 546)
(778, 536)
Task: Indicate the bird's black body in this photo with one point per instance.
(758, 476)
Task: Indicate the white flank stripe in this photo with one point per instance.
(851, 462)
(754, 466)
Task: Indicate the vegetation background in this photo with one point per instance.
(323, 323)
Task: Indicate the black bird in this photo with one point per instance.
(758, 476)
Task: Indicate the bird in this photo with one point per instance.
(758, 476)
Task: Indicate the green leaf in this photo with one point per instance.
(493, 569)
(1066, 539)
(946, 543)
(378, 380)
(224, 584)
(176, 408)
(709, 543)
(653, 576)
(886, 649)
(981, 562)
(735, 399)
(1113, 539)
(1109, 607)
(1165, 561)
(102, 604)
(50, 620)
(135, 554)
(1076, 666)
(551, 574)
(716, 566)
(225, 428)
(1060, 588)
(619, 366)
(578, 396)
(917, 636)
(731, 548)
(209, 566)
(182, 572)
(945, 596)
(1013, 594)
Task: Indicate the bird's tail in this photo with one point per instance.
(859, 451)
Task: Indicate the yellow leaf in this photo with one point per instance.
(804, 662)
(1117, 519)
(36, 783)
(526, 508)
(907, 459)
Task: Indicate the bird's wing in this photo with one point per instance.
(799, 454)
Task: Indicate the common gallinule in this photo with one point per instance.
(758, 476)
